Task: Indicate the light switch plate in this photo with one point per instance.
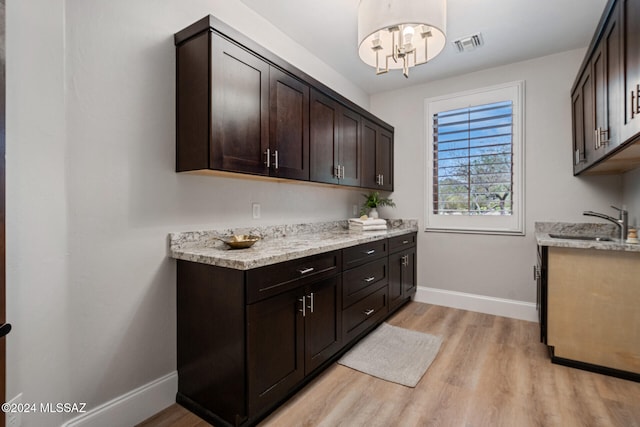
(255, 208)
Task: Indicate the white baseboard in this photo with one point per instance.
(480, 303)
(133, 407)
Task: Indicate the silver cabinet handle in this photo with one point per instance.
(381, 179)
(369, 252)
(310, 306)
(536, 272)
(302, 310)
(378, 179)
(275, 159)
(404, 242)
(605, 133)
(370, 279)
(633, 106)
(336, 171)
(638, 99)
(267, 154)
(342, 174)
(369, 312)
(597, 141)
(306, 270)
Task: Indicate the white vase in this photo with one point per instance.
(373, 213)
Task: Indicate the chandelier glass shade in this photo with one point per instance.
(399, 34)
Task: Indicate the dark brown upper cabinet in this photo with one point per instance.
(241, 109)
(335, 142)
(605, 105)
(377, 157)
(631, 62)
(288, 153)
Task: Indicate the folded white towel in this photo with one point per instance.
(367, 227)
(368, 221)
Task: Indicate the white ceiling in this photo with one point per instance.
(513, 30)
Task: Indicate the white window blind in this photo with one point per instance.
(472, 160)
(475, 149)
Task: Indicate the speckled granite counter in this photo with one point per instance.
(543, 229)
(278, 243)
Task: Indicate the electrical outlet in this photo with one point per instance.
(255, 208)
(14, 419)
(354, 210)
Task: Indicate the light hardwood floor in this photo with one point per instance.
(490, 371)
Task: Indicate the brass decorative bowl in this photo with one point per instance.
(240, 241)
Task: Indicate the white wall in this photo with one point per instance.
(92, 192)
(552, 193)
(631, 195)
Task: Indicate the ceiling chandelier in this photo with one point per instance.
(399, 34)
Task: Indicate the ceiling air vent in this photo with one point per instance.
(468, 43)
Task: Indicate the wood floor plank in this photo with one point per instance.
(490, 372)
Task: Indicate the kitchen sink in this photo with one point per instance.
(578, 237)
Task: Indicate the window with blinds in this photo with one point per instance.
(475, 161)
(472, 160)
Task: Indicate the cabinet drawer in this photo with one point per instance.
(399, 242)
(365, 314)
(359, 282)
(274, 279)
(366, 252)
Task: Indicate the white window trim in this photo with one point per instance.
(489, 224)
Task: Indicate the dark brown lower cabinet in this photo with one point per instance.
(247, 340)
(402, 274)
(288, 336)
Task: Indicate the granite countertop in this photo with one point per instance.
(278, 243)
(543, 229)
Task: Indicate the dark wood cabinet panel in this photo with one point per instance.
(606, 66)
(402, 273)
(583, 135)
(289, 130)
(211, 335)
(323, 139)
(631, 55)
(365, 314)
(350, 147)
(323, 322)
(335, 142)
(377, 157)
(240, 116)
(360, 281)
(275, 349)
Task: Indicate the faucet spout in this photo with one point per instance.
(622, 221)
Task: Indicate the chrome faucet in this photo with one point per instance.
(622, 221)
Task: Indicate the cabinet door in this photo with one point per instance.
(377, 157)
(289, 129)
(323, 138)
(402, 276)
(384, 158)
(409, 273)
(349, 147)
(239, 109)
(583, 128)
(631, 52)
(607, 87)
(395, 279)
(369, 171)
(275, 349)
(323, 322)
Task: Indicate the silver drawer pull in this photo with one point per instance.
(369, 252)
(306, 270)
(369, 312)
(370, 279)
(404, 242)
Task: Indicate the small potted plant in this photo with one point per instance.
(373, 200)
